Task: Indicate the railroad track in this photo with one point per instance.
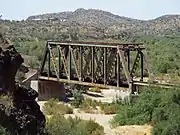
(162, 85)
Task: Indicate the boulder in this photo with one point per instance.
(19, 112)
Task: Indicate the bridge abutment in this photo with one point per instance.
(48, 89)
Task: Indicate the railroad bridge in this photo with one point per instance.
(97, 64)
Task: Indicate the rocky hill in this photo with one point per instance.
(90, 16)
(89, 23)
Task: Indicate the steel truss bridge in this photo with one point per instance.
(97, 64)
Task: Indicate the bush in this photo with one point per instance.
(90, 106)
(3, 131)
(7, 98)
(78, 98)
(90, 103)
(112, 108)
(20, 76)
(53, 107)
(58, 125)
(155, 106)
(95, 89)
(93, 128)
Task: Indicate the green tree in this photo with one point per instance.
(156, 106)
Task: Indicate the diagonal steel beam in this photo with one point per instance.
(64, 62)
(53, 62)
(75, 64)
(147, 63)
(135, 64)
(87, 58)
(44, 58)
(124, 64)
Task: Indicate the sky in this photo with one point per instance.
(138, 9)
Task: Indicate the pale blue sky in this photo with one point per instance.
(139, 9)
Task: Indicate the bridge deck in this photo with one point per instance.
(81, 83)
(137, 83)
(155, 85)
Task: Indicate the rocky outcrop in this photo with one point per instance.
(19, 112)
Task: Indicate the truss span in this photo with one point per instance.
(107, 65)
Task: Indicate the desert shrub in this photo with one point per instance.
(86, 127)
(95, 89)
(52, 107)
(156, 106)
(89, 106)
(3, 131)
(78, 98)
(90, 103)
(20, 76)
(74, 121)
(7, 99)
(111, 108)
(93, 128)
(58, 125)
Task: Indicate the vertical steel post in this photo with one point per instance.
(128, 55)
(69, 69)
(49, 63)
(59, 61)
(92, 63)
(105, 66)
(142, 68)
(115, 69)
(80, 63)
(118, 69)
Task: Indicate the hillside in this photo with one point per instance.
(91, 23)
(90, 16)
(97, 18)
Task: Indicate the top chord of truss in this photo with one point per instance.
(122, 46)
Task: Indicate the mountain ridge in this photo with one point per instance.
(103, 19)
(90, 23)
(82, 9)
(71, 15)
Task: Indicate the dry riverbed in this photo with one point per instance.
(103, 120)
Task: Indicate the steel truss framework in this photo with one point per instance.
(107, 65)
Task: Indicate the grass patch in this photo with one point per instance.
(53, 107)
